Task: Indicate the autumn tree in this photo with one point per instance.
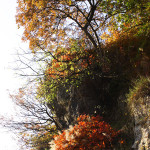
(35, 124)
(69, 34)
(85, 49)
(53, 26)
(49, 23)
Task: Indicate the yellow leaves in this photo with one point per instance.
(105, 36)
(34, 17)
(54, 13)
(32, 44)
(40, 4)
(42, 19)
(110, 36)
(69, 2)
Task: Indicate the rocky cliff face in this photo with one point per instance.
(95, 95)
(139, 102)
(85, 99)
(141, 112)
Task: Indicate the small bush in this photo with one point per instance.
(90, 133)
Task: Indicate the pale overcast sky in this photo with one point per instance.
(10, 40)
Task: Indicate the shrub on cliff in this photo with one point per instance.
(90, 133)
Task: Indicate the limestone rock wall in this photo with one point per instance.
(141, 112)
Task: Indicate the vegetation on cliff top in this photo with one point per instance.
(87, 52)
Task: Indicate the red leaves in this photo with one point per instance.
(91, 133)
(69, 61)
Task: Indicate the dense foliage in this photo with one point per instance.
(88, 51)
(90, 133)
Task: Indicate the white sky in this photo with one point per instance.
(9, 42)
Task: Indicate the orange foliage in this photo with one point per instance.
(69, 62)
(91, 133)
(124, 48)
